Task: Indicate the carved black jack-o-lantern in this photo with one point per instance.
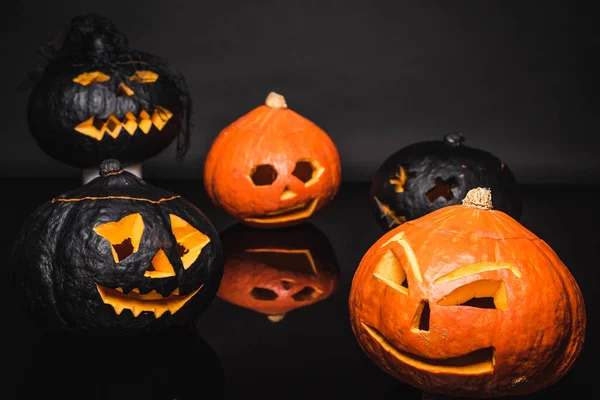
(117, 255)
(98, 98)
(425, 176)
(273, 272)
(177, 364)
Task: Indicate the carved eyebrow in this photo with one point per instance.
(474, 268)
(410, 254)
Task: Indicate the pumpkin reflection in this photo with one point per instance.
(174, 365)
(274, 272)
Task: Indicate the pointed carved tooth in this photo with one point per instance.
(176, 292)
(118, 310)
(130, 123)
(87, 128)
(119, 289)
(145, 123)
(159, 312)
(136, 311)
(113, 126)
(160, 116)
(135, 290)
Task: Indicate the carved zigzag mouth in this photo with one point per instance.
(303, 210)
(477, 362)
(137, 302)
(97, 127)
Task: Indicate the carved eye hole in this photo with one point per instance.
(190, 241)
(263, 175)
(144, 77)
(479, 294)
(483, 293)
(123, 235)
(390, 271)
(263, 294)
(442, 188)
(87, 78)
(307, 293)
(308, 171)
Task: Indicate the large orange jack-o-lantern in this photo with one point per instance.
(276, 271)
(98, 99)
(117, 255)
(272, 167)
(465, 301)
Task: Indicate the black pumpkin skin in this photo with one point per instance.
(166, 366)
(58, 259)
(447, 161)
(57, 104)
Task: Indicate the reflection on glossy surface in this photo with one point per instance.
(276, 271)
(177, 365)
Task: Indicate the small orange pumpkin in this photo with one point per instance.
(272, 167)
(274, 272)
(465, 301)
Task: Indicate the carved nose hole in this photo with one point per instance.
(442, 188)
(287, 194)
(263, 175)
(124, 90)
(421, 319)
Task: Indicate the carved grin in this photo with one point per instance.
(477, 362)
(97, 127)
(136, 302)
(299, 211)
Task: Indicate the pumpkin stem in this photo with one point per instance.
(479, 198)
(275, 317)
(110, 167)
(453, 139)
(275, 100)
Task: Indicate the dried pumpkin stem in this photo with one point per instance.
(275, 100)
(479, 198)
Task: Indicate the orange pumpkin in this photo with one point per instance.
(272, 167)
(274, 272)
(465, 301)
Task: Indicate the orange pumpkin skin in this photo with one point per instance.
(274, 272)
(536, 331)
(272, 135)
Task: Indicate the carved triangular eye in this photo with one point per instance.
(123, 235)
(190, 240)
(390, 271)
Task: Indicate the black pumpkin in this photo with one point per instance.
(98, 98)
(425, 176)
(167, 366)
(117, 255)
(273, 272)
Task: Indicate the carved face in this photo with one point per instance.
(459, 306)
(276, 271)
(272, 168)
(118, 254)
(426, 176)
(104, 100)
(124, 237)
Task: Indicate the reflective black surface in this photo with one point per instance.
(239, 352)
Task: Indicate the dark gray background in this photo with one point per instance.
(516, 77)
